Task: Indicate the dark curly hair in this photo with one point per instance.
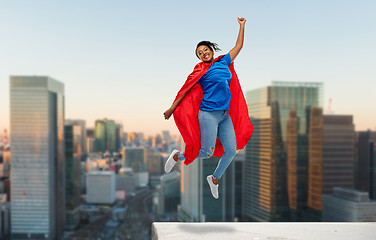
(210, 45)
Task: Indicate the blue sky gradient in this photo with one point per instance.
(126, 60)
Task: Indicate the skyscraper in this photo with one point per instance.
(135, 158)
(90, 140)
(238, 163)
(37, 173)
(365, 162)
(197, 203)
(111, 136)
(166, 136)
(167, 195)
(100, 136)
(315, 160)
(338, 152)
(119, 136)
(330, 160)
(79, 134)
(72, 175)
(372, 191)
(276, 166)
(155, 162)
(105, 135)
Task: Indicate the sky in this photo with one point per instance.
(126, 60)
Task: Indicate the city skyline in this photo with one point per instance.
(126, 61)
(295, 152)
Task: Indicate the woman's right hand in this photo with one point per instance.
(167, 114)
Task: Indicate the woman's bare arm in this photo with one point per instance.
(239, 42)
(167, 114)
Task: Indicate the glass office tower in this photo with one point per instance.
(111, 135)
(37, 174)
(276, 166)
(197, 203)
(105, 135)
(365, 162)
(80, 137)
(100, 136)
(72, 175)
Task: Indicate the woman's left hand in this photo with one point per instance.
(241, 21)
(239, 42)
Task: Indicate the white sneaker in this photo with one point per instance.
(213, 187)
(170, 163)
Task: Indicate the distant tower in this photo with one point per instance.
(105, 135)
(5, 140)
(79, 130)
(330, 111)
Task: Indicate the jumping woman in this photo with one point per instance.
(210, 111)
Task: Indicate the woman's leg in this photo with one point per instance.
(208, 128)
(208, 121)
(226, 135)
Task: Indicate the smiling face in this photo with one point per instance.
(205, 54)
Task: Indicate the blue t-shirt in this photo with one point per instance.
(216, 86)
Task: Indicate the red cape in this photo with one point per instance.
(186, 113)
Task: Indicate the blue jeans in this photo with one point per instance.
(213, 124)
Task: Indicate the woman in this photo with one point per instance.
(214, 108)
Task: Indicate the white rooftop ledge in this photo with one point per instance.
(263, 231)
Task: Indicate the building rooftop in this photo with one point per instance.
(101, 173)
(350, 194)
(263, 231)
